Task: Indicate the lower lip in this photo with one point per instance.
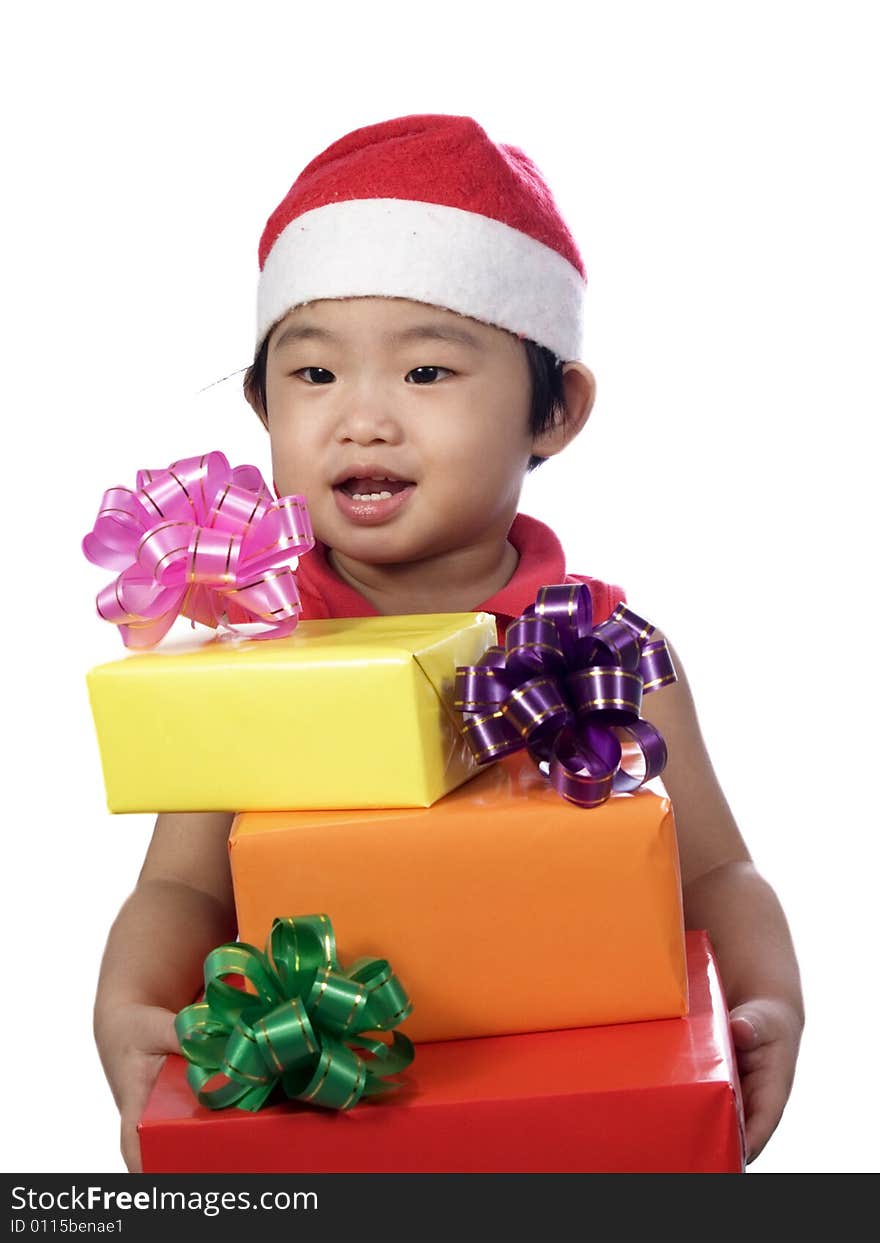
(371, 513)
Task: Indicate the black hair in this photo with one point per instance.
(548, 394)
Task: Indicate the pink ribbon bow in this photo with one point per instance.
(201, 540)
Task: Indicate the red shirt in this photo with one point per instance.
(541, 563)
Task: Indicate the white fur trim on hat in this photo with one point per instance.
(444, 256)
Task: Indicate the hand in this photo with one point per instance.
(133, 1041)
(766, 1035)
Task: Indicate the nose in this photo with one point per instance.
(367, 419)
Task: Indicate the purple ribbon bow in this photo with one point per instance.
(565, 691)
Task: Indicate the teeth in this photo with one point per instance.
(371, 496)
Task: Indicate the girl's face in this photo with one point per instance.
(404, 426)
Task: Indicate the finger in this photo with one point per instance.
(769, 1019)
(130, 1145)
(754, 1023)
(744, 1032)
(140, 1079)
(761, 1122)
(765, 1093)
(158, 1034)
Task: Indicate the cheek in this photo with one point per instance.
(289, 459)
(489, 447)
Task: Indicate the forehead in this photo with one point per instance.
(392, 321)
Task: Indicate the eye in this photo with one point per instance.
(322, 370)
(429, 378)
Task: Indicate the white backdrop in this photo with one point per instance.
(717, 164)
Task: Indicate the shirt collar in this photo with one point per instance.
(541, 561)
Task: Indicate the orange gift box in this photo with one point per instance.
(502, 908)
(659, 1097)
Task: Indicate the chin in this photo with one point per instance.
(383, 547)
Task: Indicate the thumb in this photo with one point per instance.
(745, 1028)
(158, 1031)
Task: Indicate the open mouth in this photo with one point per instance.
(373, 488)
(368, 500)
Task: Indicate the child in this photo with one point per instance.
(419, 312)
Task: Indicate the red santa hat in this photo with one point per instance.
(427, 208)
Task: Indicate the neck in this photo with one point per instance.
(450, 583)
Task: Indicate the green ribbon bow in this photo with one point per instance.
(301, 1029)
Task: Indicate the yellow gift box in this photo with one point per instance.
(353, 712)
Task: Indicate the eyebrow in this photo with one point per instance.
(419, 332)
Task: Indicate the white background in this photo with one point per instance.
(717, 164)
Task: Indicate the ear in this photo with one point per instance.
(579, 384)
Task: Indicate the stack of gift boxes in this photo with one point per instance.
(561, 1017)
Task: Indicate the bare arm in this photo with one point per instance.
(181, 908)
(724, 893)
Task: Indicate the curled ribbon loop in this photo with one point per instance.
(566, 692)
(201, 540)
(302, 1028)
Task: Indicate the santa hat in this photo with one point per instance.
(427, 208)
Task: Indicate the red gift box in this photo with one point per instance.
(652, 1097)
